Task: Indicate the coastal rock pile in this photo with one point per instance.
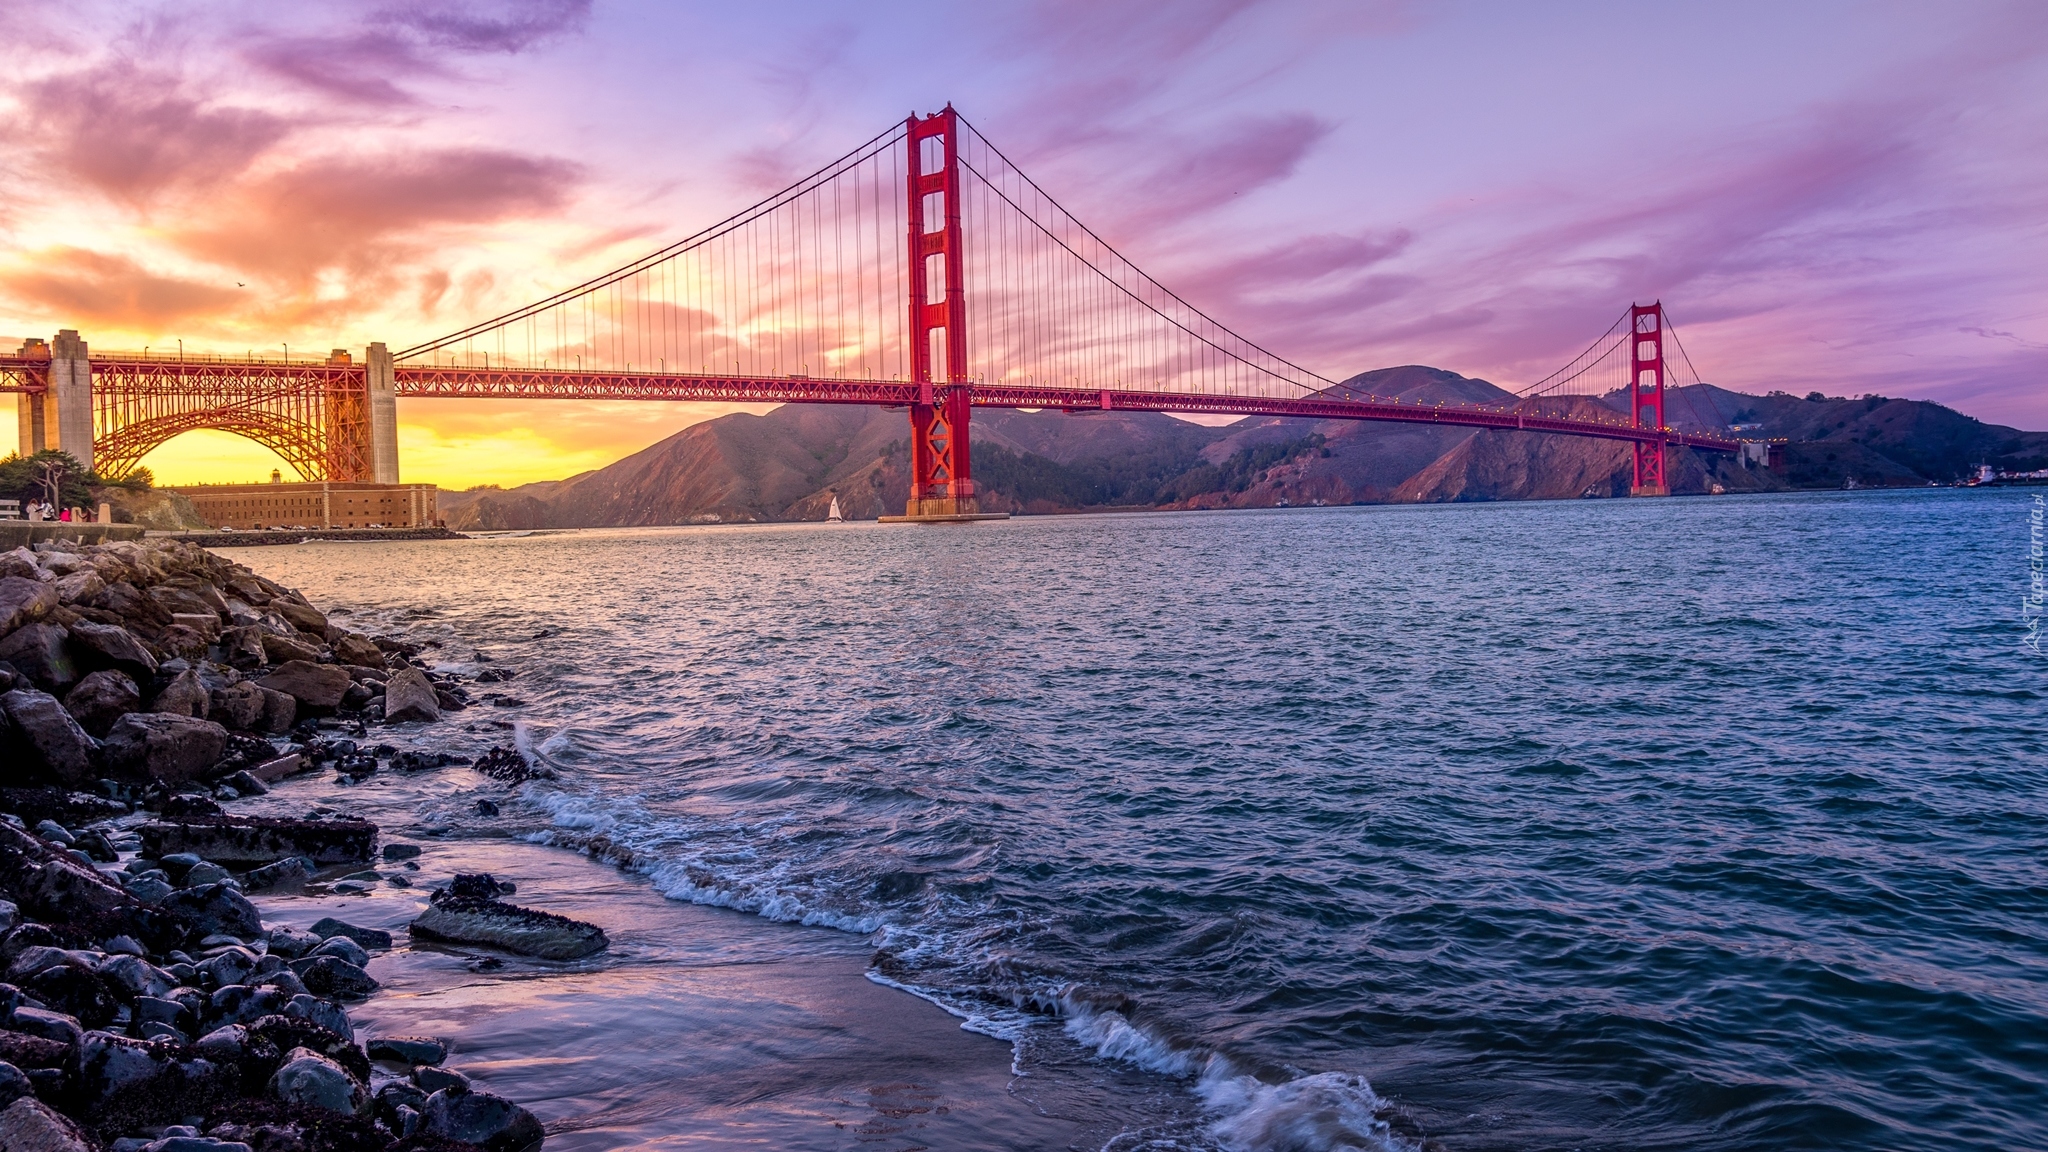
(143, 1015)
(144, 1004)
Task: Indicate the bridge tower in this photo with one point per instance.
(941, 471)
(1646, 396)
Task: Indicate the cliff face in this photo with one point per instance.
(790, 463)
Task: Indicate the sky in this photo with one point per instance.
(1843, 197)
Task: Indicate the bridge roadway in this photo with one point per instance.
(218, 379)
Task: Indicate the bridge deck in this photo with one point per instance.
(25, 375)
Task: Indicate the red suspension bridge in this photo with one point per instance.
(923, 270)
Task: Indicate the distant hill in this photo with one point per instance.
(790, 463)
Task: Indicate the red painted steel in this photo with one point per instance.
(1646, 395)
(941, 465)
(313, 414)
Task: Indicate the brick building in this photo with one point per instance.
(325, 504)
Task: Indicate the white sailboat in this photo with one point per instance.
(832, 515)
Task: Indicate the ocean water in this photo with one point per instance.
(1692, 823)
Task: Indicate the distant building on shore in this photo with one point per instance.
(322, 504)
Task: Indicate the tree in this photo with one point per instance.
(48, 475)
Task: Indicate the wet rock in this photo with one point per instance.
(38, 651)
(409, 1050)
(149, 887)
(317, 686)
(397, 851)
(231, 966)
(462, 915)
(51, 742)
(432, 1080)
(99, 646)
(289, 872)
(102, 698)
(486, 807)
(205, 872)
(333, 976)
(185, 695)
(291, 943)
(214, 908)
(24, 601)
(344, 948)
(168, 748)
(480, 1118)
(409, 695)
(372, 938)
(255, 840)
(284, 649)
(29, 1125)
(506, 765)
(325, 1013)
(125, 1082)
(194, 1144)
(281, 1033)
(310, 1079)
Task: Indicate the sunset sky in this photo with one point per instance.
(1851, 197)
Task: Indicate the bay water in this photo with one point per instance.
(1712, 823)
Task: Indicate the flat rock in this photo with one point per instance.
(409, 1050)
(373, 938)
(284, 649)
(494, 923)
(53, 742)
(313, 685)
(163, 747)
(255, 840)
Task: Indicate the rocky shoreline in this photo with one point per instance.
(144, 1005)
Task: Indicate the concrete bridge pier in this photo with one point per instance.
(60, 418)
(382, 383)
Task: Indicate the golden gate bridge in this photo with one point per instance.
(922, 270)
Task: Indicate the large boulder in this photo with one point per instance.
(310, 1079)
(178, 640)
(81, 587)
(24, 601)
(239, 706)
(461, 1113)
(280, 711)
(214, 908)
(350, 648)
(29, 1125)
(312, 685)
(53, 742)
(111, 646)
(185, 695)
(334, 976)
(303, 617)
(124, 1082)
(285, 649)
(176, 601)
(101, 699)
(38, 651)
(244, 841)
(409, 695)
(243, 647)
(171, 749)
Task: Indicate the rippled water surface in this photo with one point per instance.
(1703, 824)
